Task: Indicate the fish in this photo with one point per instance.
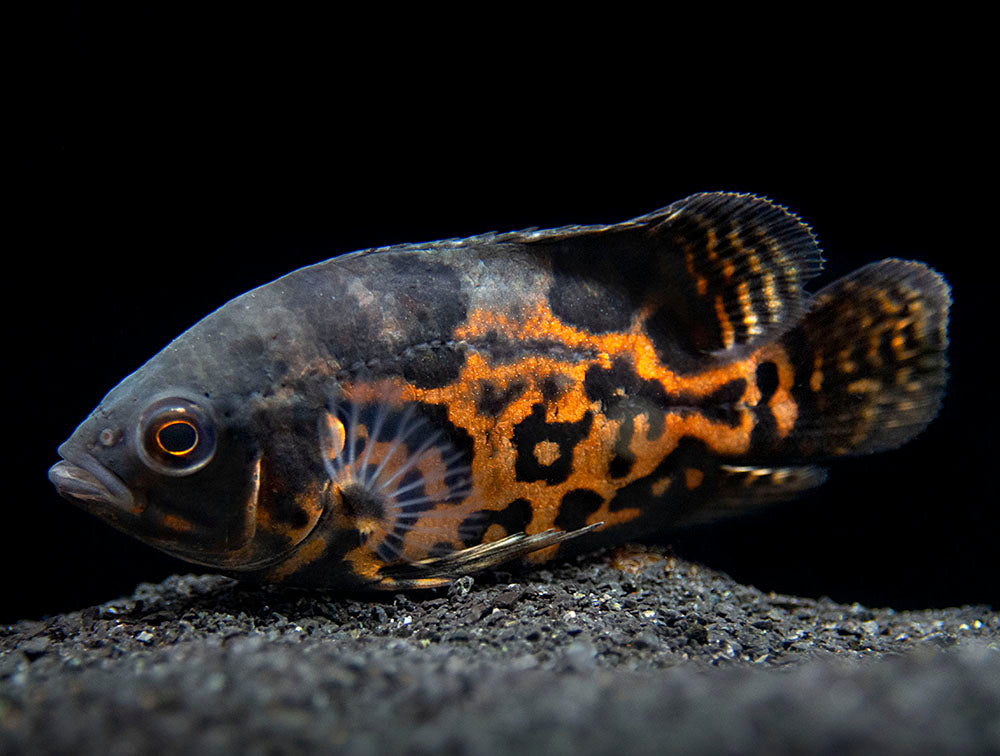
(398, 418)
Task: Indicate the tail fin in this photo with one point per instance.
(869, 357)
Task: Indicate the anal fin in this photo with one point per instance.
(442, 570)
(743, 489)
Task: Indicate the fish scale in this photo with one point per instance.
(400, 417)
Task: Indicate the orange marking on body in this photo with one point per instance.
(728, 270)
(364, 563)
(311, 501)
(873, 354)
(546, 452)
(309, 551)
(863, 386)
(728, 334)
(336, 436)
(816, 379)
(494, 533)
(899, 347)
(749, 316)
(693, 477)
(179, 524)
(712, 242)
(543, 555)
(494, 483)
(737, 244)
(618, 517)
(782, 404)
(540, 324)
(771, 293)
(660, 486)
(700, 282)
(888, 306)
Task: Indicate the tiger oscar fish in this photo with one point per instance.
(397, 418)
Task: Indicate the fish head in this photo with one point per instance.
(198, 455)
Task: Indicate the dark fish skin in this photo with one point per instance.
(402, 416)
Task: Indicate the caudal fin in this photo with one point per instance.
(869, 359)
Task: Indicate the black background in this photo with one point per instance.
(161, 179)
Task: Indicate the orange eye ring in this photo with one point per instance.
(181, 437)
(175, 436)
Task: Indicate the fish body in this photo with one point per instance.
(399, 417)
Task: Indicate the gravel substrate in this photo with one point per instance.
(628, 651)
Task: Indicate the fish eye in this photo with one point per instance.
(176, 436)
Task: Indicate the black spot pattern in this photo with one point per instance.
(431, 367)
(596, 280)
(513, 518)
(437, 416)
(322, 572)
(670, 508)
(767, 380)
(765, 430)
(440, 549)
(623, 460)
(300, 518)
(723, 404)
(624, 394)
(534, 430)
(493, 401)
(553, 386)
(682, 331)
(575, 507)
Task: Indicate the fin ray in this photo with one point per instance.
(714, 274)
(870, 360)
(393, 475)
(482, 556)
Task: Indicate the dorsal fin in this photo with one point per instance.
(716, 273)
(747, 259)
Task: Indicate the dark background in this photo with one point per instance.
(155, 188)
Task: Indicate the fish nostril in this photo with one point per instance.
(109, 436)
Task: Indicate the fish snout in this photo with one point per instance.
(88, 483)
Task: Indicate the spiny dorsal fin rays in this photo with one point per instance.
(743, 261)
(722, 273)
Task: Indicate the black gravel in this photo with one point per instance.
(630, 651)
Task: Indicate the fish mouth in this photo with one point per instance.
(88, 483)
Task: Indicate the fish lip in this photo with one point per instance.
(87, 482)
